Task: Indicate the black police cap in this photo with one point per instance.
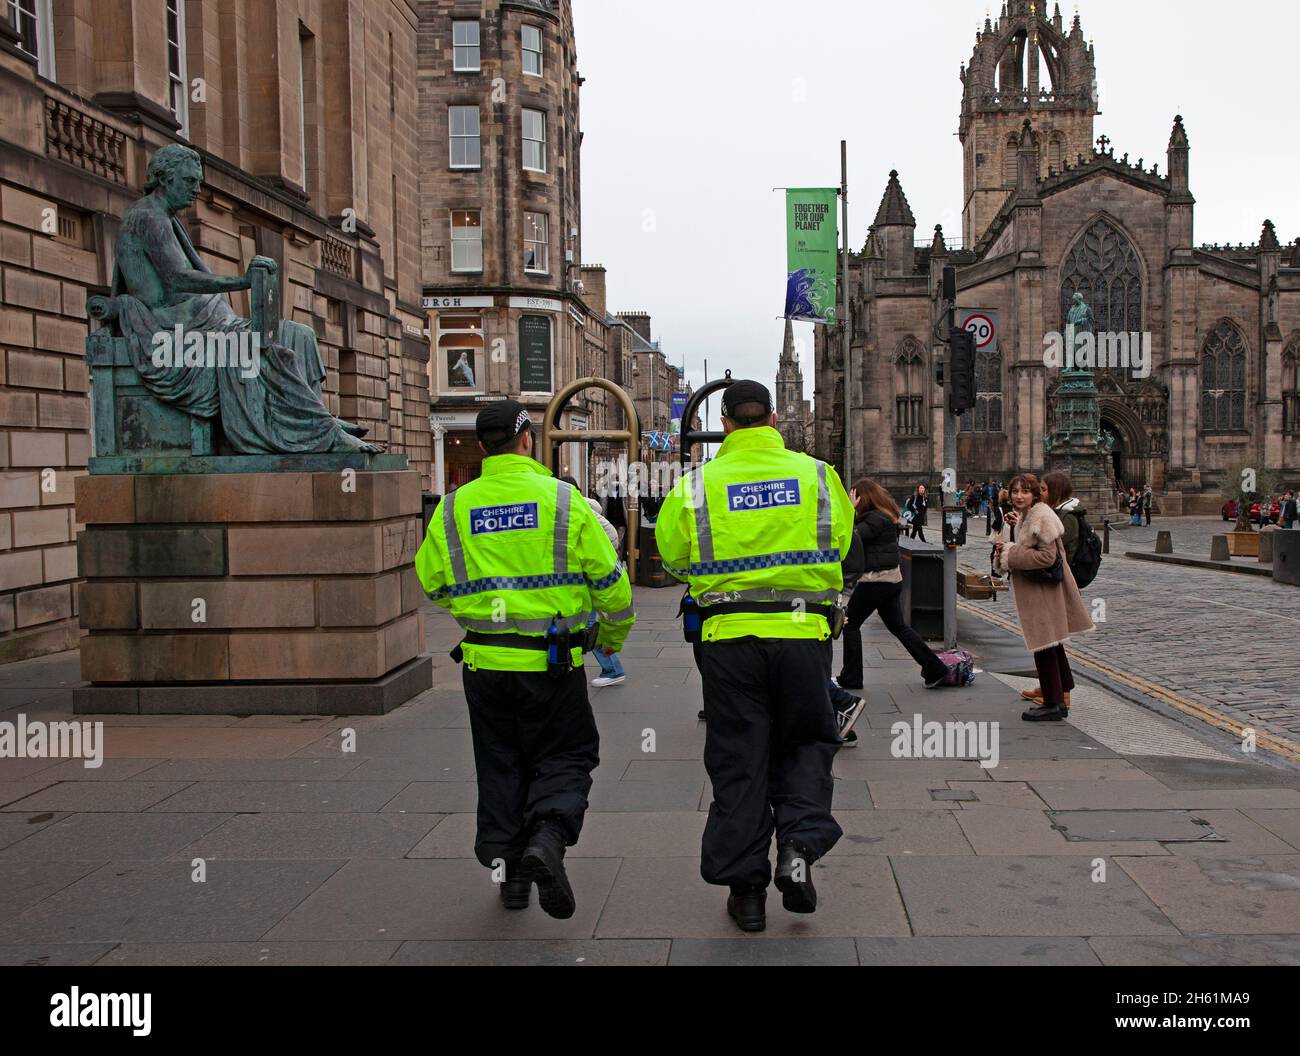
(739, 393)
(502, 416)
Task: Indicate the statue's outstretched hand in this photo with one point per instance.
(263, 262)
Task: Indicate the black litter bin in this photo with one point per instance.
(650, 566)
(922, 567)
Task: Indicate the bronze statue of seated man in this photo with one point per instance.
(166, 301)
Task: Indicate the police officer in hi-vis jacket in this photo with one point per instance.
(521, 561)
(758, 534)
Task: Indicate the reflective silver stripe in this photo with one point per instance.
(523, 626)
(725, 597)
(454, 550)
(823, 509)
(562, 499)
(703, 528)
(616, 617)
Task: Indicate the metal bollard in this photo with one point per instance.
(1105, 535)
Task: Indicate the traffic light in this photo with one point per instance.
(960, 373)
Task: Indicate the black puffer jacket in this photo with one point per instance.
(879, 534)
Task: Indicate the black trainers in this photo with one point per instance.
(516, 892)
(1045, 713)
(845, 718)
(543, 864)
(794, 877)
(747, 906)
(850, 740)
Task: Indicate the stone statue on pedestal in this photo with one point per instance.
(1078, 322)
(260, 377)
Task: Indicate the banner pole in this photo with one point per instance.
(844, 313)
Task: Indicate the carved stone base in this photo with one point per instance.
(1092, 487)
(240, 580)
(192, 464)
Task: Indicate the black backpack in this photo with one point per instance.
(1086, 560)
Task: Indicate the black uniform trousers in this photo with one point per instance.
(768, 749)
(535, 746)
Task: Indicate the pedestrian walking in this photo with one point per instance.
(1134, 504)
(759, 534)
(919, 505)
(1290, 510)
(1047, 600)
(1002, 523)
(520, 560)
(611, 667)
(881, 588)
(1147, 499)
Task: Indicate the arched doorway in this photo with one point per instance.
(1129, 454)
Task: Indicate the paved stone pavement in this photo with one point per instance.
(1222, 641)
(1133, 843)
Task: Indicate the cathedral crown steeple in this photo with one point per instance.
(1024, 67)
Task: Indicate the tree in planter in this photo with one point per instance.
(1246, 483)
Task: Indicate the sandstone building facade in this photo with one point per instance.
(512, 310)
(1051, 209)
(303, 112)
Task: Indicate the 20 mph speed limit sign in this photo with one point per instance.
(983, 324)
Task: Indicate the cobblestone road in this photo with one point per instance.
(1217, 639)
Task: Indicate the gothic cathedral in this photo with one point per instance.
(1197, 347)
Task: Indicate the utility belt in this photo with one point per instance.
(693, 614)
(558, 643)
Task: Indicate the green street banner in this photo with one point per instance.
(812, 254)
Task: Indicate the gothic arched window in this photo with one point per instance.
(1291, 388)
(1223, 380)
(986, 416)
(1011, 161)
(909, 389)
(1055, 152)
(1104, 267)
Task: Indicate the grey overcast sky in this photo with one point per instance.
(694, 111)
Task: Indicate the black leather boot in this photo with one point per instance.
(516, 889)
(543, 863)
(1045, 713)
(747, 907)
(794, 877)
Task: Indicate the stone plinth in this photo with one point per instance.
(250, 593)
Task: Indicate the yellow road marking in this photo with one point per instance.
(1235, 727)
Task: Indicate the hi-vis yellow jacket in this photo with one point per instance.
(758, 523)
(508, 552)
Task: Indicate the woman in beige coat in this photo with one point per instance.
(1049, 612)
